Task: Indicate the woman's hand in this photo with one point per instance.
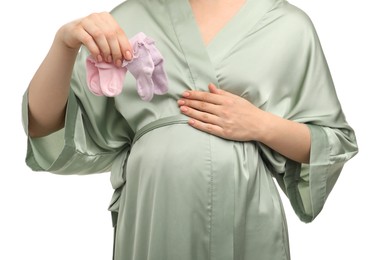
(49, 87)
(102, 36)
(232, 117)
(222, 114)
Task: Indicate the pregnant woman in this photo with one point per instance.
(249, 104)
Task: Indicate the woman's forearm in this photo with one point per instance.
(48, 90)
(289, 138)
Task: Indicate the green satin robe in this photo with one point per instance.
(182, 194)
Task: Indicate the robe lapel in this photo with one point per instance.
(202, 59)
(237, 29)
(195, 53)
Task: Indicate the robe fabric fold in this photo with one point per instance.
(184, 194)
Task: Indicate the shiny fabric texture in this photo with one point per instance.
(184, 194)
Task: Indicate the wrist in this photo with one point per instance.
(263, 125)
(64, 39)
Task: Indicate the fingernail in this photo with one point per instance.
(181, 102)
(128, 55)
(186, 94)
(99, 58)
(118, 63)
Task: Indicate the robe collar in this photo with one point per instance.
(201, 58)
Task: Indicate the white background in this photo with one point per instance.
(45, 216)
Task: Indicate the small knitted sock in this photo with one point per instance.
(92, 77)
(104, 79)
(159, 75)
(142, 68)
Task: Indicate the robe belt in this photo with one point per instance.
(118, 178)
(165, 121)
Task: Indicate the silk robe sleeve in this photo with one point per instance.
(93, 136)
(316, 104)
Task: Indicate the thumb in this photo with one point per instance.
(213, 89)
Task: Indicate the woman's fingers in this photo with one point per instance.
(102, 36)
(201, 105)
(204, 113)
(118, 42)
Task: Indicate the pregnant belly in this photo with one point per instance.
(186, 187)
(176, 150)
(180, 159)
